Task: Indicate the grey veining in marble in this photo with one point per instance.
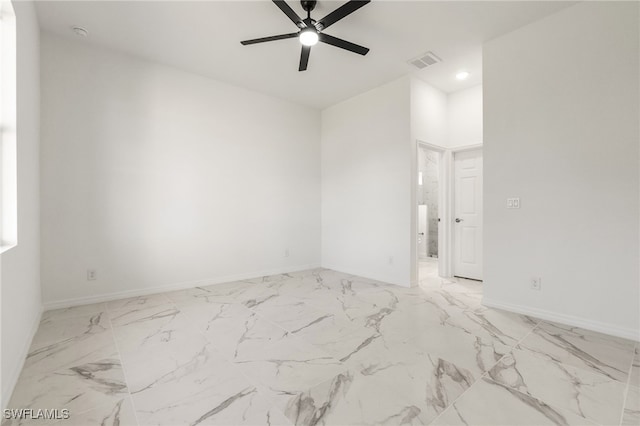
(321, 347)
(596, 352)
(634, 378)
(631, 414)
(593, 396)
(490, 403)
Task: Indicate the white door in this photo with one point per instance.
(467, 226)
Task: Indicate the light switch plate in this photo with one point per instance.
(513, 203)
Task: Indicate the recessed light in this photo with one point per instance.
(462, 75)
(79, 31)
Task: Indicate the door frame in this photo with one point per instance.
(445, 206)
(452, 197)
(443, 203)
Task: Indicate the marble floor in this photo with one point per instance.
(324, 348)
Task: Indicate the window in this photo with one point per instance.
(8, 147)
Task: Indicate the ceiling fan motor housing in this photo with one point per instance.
(308, 5)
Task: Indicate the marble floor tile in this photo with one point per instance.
(233, 329)
(356, 344)
(80, 348)
(505, 326)
(119, 412)
(590, 395)
(631, 413)
(350, 399)
(244, 292)
(599, 353)
(68, 329)
(205, 390)
(320, 347)
(138, 302)
(488, 403)
(287, 367)
(141, 316)
(232, 292)
(75, 311)
(410, 382)
(474, 352)
(136, 328)
(634, 378)
(75, 388)
(292, 314)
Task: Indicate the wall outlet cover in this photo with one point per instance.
(536, 283)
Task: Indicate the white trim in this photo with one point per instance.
(446, 249)
(601, 327)
(107, 297)
(15, 374)
(466, 147)
(367, 275)
(431, 146)
(443, 212)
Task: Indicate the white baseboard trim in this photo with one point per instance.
(365, 274)
(107, 297)
(14, 374)
(601, 327)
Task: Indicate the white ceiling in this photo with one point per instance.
(204, 37)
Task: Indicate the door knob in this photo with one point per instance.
(458, 220)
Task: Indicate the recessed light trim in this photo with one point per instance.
(79, 31)
(462, 75)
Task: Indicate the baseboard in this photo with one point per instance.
(107, 297)
(365, 274)
(14, 375)
(601, 327)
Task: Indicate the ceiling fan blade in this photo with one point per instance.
(272, 38)
(290, 13)
(343, 44)
(344, 10)
(304, 58)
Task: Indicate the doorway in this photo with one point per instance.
(429, 197)
(467, 212)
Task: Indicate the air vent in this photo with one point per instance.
(425, 60)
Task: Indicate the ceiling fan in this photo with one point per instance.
(311, 31)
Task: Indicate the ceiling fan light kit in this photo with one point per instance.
(308, 37)
(311, 31)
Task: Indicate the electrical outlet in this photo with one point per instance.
(92, 275)
(390, 260)
(536, 283)
(286, 252)
(513, 203)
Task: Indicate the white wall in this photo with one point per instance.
(448, 120)
(366, 190)
(156, 177)
(20, 270)
(464, 117)
(561, 132)
(428, 113)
